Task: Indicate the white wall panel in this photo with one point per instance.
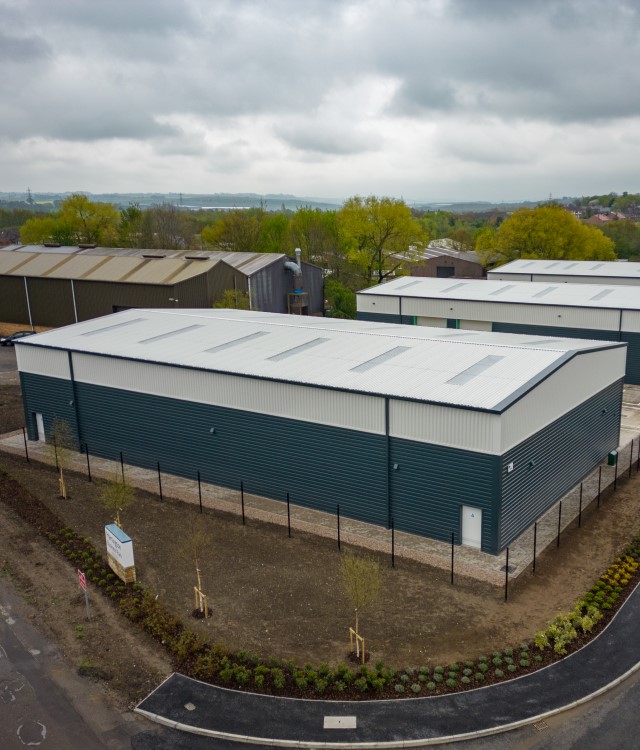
(568, 317)
(601, 280)
(432, 322)
(320, 405)
(387, 305)
(582, 377)
(476, 325)
(441, 425)
(42, 361)
(631, 320)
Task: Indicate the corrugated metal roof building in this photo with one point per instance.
(419, 426)
(585, 311)
(571, 271)
(53, 286)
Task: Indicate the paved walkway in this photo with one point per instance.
(196, 707)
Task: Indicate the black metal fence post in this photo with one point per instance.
(630, 458)
(599, 483)
(535, 541)
(288, 516)
(86, 452)
(638, 461)
(122, 466)
(506, 577)
(615, 477)
(26, 449)
(580, 508)
(159, 480)
(393, 544)
(452, 553)
(559, 522)
(242, 501)
(199, 491)
(338, 517)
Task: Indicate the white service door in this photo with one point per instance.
(40, 426)
(471, 526)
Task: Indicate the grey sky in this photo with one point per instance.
(425, 99)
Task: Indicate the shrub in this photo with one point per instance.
(508, 652)
(431, 685)
(497, 660)
(424, 670)
(454, 667)
(241, 674)
(399, 687)
(525, 663)
(361, 684)
(498, 673)
(438, 670)
(279, 680)
(511, 667)
(423, 677)
(438, 677)
(378, 684)
(479, 676)
(483, 667)
(482, 659)
(451, 683)
(301, 682)
(467, 672)
(465, 680)
(405, 677)
(320, 686)
(340, 686)
(258, 681)
(416, 687)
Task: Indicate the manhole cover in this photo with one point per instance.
(189, 706)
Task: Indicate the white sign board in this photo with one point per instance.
(119, 545)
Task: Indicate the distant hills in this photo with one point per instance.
(229, 201)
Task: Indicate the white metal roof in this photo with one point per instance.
(590, 268)
(472, 369)
(615, 297)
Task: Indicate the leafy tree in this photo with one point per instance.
(274, 232)
(237, 231)
(116, 495)
(234, 299)
(378, 235)
(130, 229)
(341, 299)
(548, 232)
(79, 221)
(361, 579)
(625, 234)
(195, 542)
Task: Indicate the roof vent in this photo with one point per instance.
(52, 244)
(87, 245)
(153, 255)
(197, 257)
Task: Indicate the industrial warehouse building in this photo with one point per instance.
(440, 434)
(569, 271)
(55, 286)
(584, 311)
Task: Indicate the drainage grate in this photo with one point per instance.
(541, 725)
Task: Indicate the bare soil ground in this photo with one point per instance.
(275, 596)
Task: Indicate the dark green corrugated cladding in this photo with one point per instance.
(421, 486)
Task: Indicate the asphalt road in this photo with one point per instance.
(42, 702)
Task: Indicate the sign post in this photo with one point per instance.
(120, 553)
(83, 583)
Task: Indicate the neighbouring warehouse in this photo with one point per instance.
(584, 311)
(440, 434)
(569, 271)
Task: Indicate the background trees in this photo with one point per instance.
(379, 235)
(543, 232)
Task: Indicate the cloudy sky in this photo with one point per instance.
(420, 99)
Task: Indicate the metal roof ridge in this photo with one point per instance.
(387, 335)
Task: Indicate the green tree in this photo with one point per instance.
(340, 299)
(548, 232)
(234, 299)
(116, 495)
(379, 234)
(79, 221)
(237, 231)
(625, 234)
(361, 580)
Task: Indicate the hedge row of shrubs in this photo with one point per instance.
(196, 657)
